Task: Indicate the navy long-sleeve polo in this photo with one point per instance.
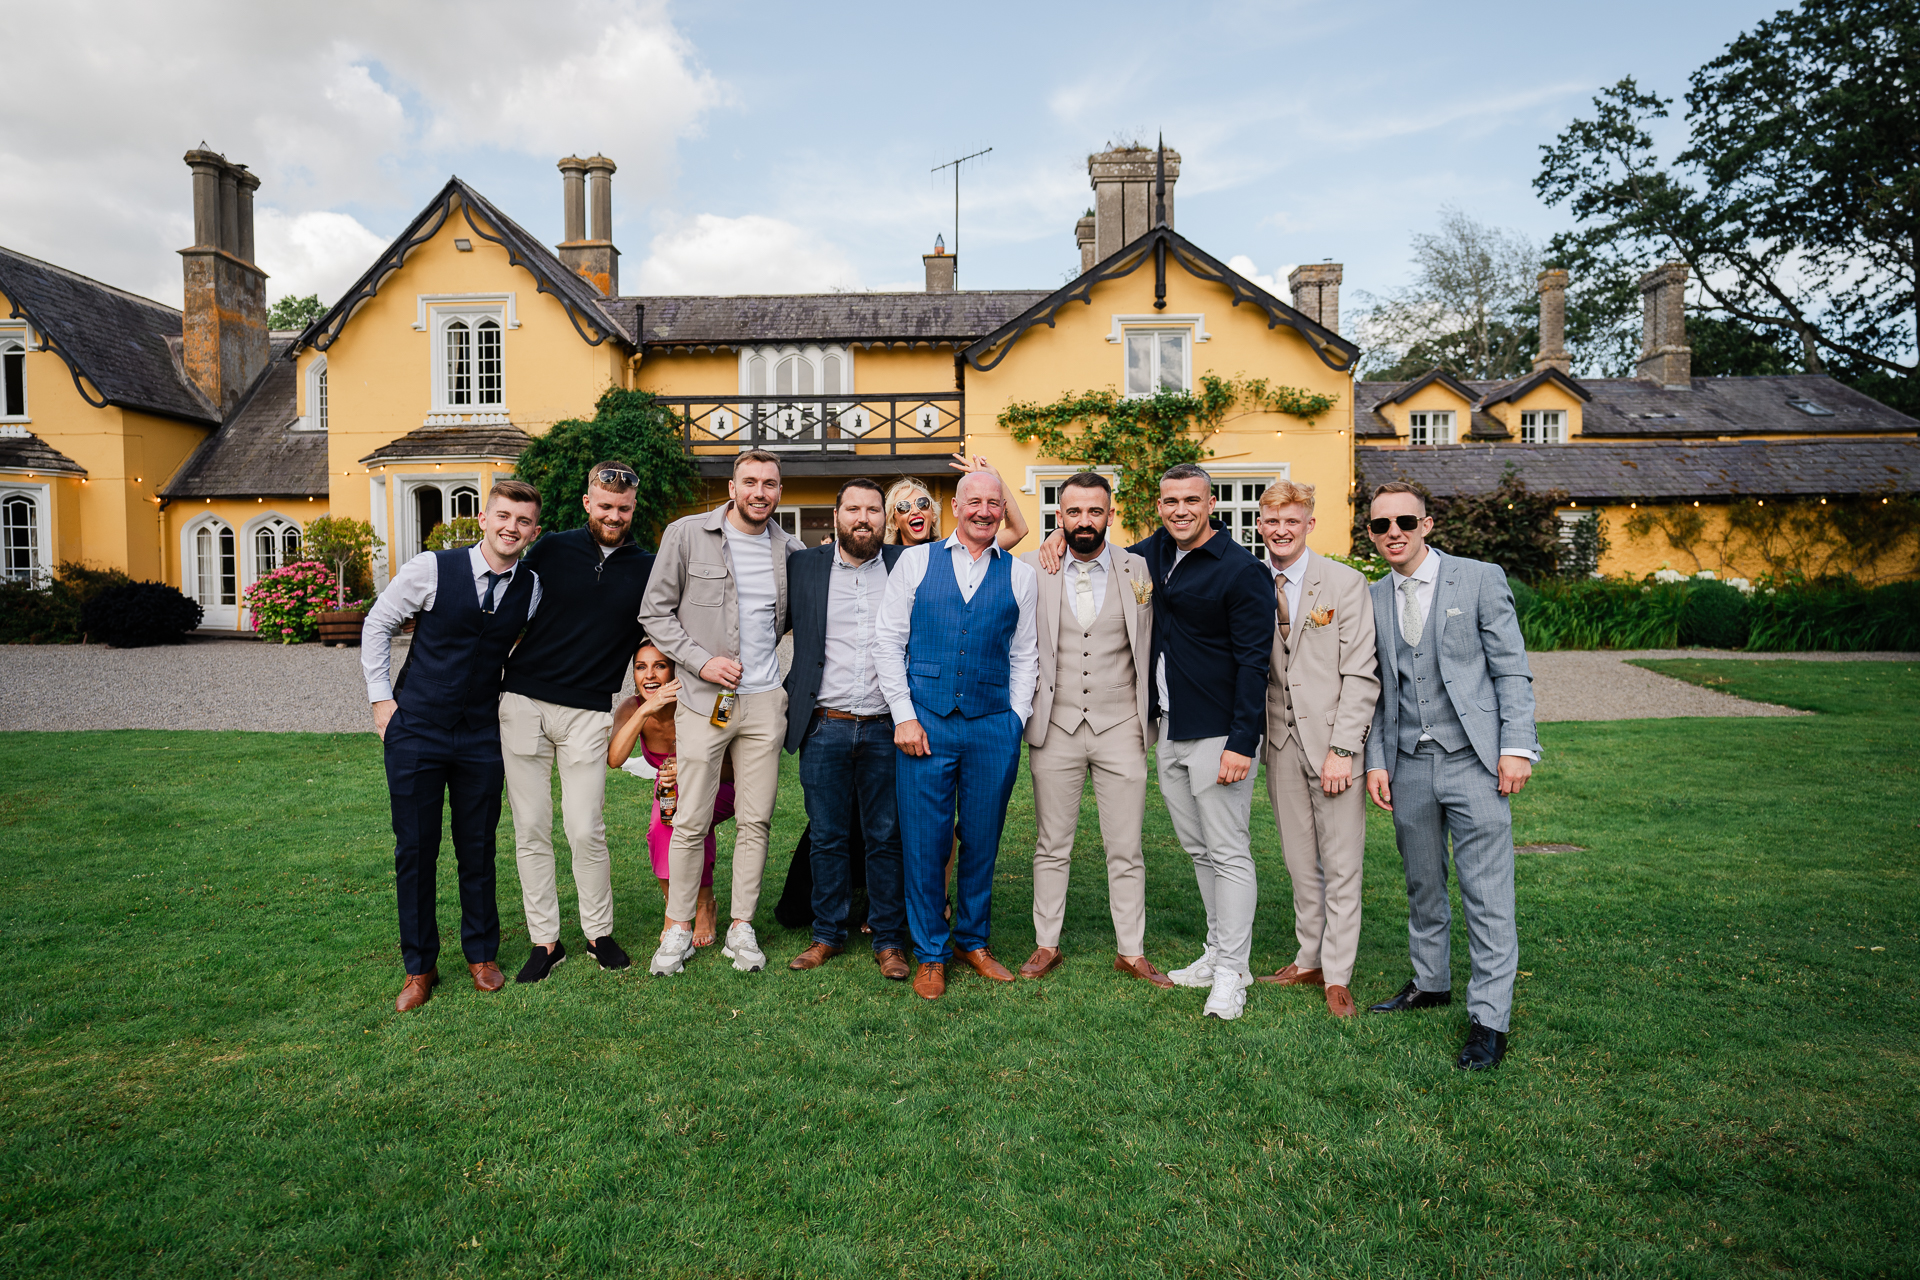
(1213, 620)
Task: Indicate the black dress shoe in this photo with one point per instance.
(1412, 997)
(1484, 1049)
(540, 963)
(608, 953)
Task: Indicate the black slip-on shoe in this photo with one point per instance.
(1484, 1048)
(1412, 997)
(608, 953)
(541, 963)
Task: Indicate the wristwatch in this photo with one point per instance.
(1342, 752)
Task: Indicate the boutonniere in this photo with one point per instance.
(1142, 591)
(1320, 617)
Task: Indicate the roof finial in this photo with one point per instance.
(1160, 183)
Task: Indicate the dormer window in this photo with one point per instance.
(1543, 426)
(315, 418)
(13, 375)
(1813, 409)
(1426, 426)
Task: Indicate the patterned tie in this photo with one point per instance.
(493, 580)
(1083, 598)
(1280, 598)
(1410, 612)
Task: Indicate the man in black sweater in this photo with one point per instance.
(557, 703)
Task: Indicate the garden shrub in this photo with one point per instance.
(1603, 613)
(1714, 615)
(51, 614)
(131, 615)
(1838, 614)
(287, 603)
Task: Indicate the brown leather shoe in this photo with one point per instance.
(1294, 976)
(931, 982)
(893, 964)
(1142, 968)
(487, 976)
(1340, 1001)
(417, 991)
(814, 956)
(1042, 962)
(982, 962)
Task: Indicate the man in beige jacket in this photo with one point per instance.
(1321, 690)
(717, 605)
(1090, 713)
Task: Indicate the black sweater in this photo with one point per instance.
(580, 644)
(1213, 619)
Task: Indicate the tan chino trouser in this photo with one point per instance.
(1118, 762)
(754, 736)
(1325, 841)
(535, 735)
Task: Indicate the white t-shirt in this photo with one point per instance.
(752, 557)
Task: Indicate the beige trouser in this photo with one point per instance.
(754, 736)
(533, 735)
(1119, 765)
(1325, 840)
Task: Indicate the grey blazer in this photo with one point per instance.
(1482, 659)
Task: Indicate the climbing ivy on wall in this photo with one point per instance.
(1870, 537)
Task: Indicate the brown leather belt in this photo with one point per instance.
(831, 714)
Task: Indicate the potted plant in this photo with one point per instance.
(347, 545)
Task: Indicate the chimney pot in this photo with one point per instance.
(1123, 197)
(1316, 292)
(1083, 238)
(247, 185)
(1553, 322)
(600, 196)
(573, 186)
(590, 182)
(1665, 357)
(229, 210)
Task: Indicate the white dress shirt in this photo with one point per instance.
(850, 681)
(1423, 578)
(1099, 572)
(413, 590)
(896, 621)
(1292, 576)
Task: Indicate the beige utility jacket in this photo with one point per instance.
(692, 609)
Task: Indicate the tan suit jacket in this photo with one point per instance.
(1332, 671)
(1128, 576)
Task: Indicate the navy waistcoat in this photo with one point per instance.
(958, 650)
(452, 676)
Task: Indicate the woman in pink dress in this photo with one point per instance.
(646, 721)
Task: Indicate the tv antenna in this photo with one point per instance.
(955, 166)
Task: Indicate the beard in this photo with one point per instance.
(1085, 539)
(861, 543)
(608, 535)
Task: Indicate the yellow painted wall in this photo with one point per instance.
(1714, 549)
(239, 514)
(1432, 398)
(1548, 395)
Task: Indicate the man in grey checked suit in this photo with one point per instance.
(1452, 740)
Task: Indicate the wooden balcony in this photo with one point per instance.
(851, 435)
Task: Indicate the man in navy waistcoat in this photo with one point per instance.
(959, 656)
(440, 722)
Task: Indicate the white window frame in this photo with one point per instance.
(1045, 485)
(10, 336)
(1154, 371)
(40, 571)
(1543, 426)
(214, 613)
(766, 362)
(441, 316)
(1430, 426)
(315, 418)
(251, 567)
(1240, 509)
(406, 517)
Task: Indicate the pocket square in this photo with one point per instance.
(1453, 613)
(1320, 617)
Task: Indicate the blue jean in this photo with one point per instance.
(846, 773)
(978, 760)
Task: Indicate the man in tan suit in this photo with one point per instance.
(1321, 689)
(1090, 712)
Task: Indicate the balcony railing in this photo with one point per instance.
(823, 427)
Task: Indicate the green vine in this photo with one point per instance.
(1141, 438)
(1873, 537)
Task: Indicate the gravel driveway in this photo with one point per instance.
(212, 683)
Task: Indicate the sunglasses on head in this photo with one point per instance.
(920, 503)
(615, 475)
(1380, 524)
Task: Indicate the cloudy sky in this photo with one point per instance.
(768, 147)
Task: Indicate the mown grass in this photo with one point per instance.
(1713, 1068)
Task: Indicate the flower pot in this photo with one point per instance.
(342, 626)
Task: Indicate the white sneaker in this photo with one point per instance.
(743, 948)
(676, 948)
(1197, 974)
(1228, 997)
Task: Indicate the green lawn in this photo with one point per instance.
(1713, 1068)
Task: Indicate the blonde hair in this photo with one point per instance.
(1287, 493)
(909, 485)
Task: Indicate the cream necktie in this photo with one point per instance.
(1410, 612)
(1083, 598)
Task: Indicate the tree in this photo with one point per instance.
(631, 426)
(1724, 348)
(344, 543)
(1472, 308)
(295, 313)
(1513, 526)
(1795, 201)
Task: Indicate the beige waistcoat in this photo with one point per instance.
(1093, 670)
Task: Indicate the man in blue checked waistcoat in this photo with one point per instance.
(958, 656)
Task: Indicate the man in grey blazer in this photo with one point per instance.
(1452, 740)
(1090, 714)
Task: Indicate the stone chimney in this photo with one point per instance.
(1123, 198)
(1083, 237)
(1665, 357)
(941, 267)
(1316, 292)
(224, 343)
(589, 184)
(1553, 323)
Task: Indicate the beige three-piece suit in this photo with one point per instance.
(1321, 689)
(1090, 713)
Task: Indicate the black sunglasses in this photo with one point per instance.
(614, 475)
(1380, 524)
(920, 503)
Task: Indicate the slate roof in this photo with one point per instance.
(126, 346)
(958, 317)
(1655, 470)
(462, 440)
(27, 452)
(257, 452)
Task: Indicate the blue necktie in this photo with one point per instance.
(493, 580)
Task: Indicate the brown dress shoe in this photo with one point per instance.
(814, 956)
(982, 962)
(1340, 1001)
(1294, 976)
(417, 991)
(1042, 962)
(893, 964)
(931, 982)
(487, 976)
(1142, 968)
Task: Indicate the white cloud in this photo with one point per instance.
(751, 254)
(1275, 284)
(315, 252)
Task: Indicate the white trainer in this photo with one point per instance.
(1228, 997)
(743, 948)
(1197, 974)
(676, 948)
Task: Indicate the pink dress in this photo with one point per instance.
(660, 835)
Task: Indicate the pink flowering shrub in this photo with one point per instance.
(287, 603)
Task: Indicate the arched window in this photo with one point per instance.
(276, 544)
(459, 363)
(466, 501)
(319, 405)
(488, 382)
(19, 538)
(13, 377)
(215, 570)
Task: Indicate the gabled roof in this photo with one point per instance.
(1539, 377)
(1432, 377)
(21, 450)
(459, 440)
(1156, 247)
(953, 319)
(125, 347)
(257, 452)
(593, 315)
